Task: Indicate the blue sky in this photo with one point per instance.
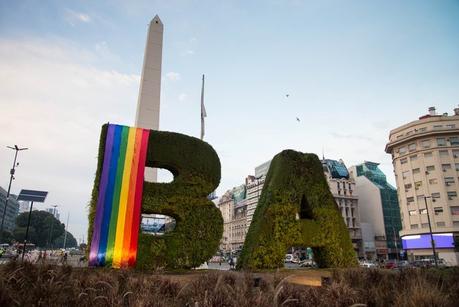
(353, 70)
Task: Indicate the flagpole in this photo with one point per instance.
(66, 229)
(203, 109)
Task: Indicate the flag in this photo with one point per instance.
(203, 109)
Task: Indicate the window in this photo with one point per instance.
(416, 171)
(438, 210)
(425, 225)
(441, 142)
(422, 211)
(436, 127)
(452, 194)
(456, 223)
(409, 200)
(457, 166)
(425, 144)
(430, 168)
(414, 226)
(445, 167)
(408, 186)
(429, 154)
(456, 153)
(443, 153)
(417, 185)
(455, 210)
(449, 180)
(423, 129)
(440, 224)
(436, 195)
(413, 158)
(412, 212)
(454, 140)
(402, 150)
(403, 161)
(412, 147)
(451, 126)
(405, 174)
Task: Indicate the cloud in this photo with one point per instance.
(73, 17)
(182, 97)
(55, 102)
(173, 76)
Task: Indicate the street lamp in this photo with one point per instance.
(12, 171)
(430, 230)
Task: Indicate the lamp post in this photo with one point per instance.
(12, 171)
(430, 230)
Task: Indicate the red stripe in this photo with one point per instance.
(131, 197)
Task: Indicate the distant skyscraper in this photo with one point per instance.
(378, 206)
(12, 210)
(148, 105)
(54, 212)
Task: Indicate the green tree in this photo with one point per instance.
(70, 241)
(41, 223)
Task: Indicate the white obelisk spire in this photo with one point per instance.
(147, 115)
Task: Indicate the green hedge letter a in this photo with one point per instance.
(296, 208)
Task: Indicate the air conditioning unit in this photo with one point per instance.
(433, 200)
(447, 184)
(444, 170)
(450, 198)
(455, 156)
(427, 173)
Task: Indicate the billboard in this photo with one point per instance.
(442, 240)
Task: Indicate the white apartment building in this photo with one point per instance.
(254, 187)
(425, 156)
(343, 189)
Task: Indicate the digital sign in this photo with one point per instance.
(442, 240)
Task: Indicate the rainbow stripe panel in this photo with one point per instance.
(117, 221)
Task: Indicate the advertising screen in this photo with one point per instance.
(442, 240)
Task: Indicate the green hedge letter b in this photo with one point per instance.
(296, 208)
(199, 224)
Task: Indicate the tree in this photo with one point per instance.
(70, 241)
(41, 223)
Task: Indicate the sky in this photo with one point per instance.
(353, 71)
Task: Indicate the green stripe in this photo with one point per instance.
(116, 196)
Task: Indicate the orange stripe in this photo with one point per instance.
(131, 198)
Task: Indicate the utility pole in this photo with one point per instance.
(51, 229)
(12, 171)
(430, 230)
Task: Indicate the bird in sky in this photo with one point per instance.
(287, 95)
(297, 119)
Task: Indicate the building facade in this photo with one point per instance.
(254, 187)
(425, 156)
(379, 209)
(12, 210)
(233, 207)
(342, 186)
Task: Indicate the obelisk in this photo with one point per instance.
(147, 115)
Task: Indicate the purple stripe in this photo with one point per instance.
(101, 197)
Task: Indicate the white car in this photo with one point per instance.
(288, 258)
(367, 264)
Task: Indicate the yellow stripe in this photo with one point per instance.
(118, 250)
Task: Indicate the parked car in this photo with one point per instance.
(391, 264)
(288, 258)
(307, 263)
(367, 264)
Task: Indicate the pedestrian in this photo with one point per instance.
(231, 263)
